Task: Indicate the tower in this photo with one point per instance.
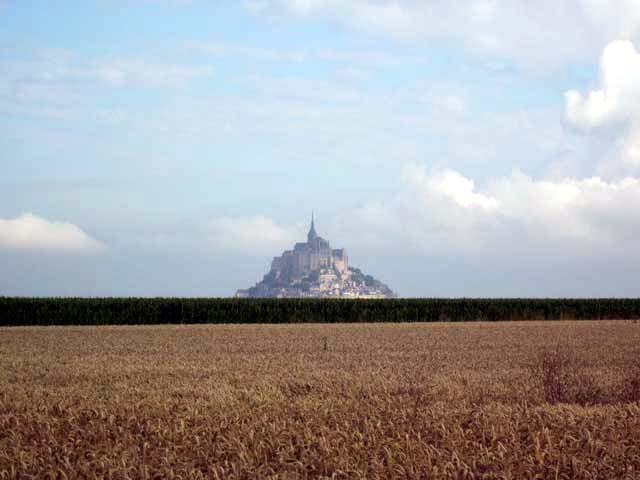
(312, 231)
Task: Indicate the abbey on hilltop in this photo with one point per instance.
(314, 269)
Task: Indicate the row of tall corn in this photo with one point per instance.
(121, 311)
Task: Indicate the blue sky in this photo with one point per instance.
(172, 147)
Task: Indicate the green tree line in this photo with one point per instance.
(130, 311)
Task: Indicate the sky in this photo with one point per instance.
(480, 148)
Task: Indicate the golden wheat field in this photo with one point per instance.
(474, 400)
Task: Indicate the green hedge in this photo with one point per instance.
(127, 311)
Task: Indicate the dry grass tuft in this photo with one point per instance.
(564, 380)
(631, 384)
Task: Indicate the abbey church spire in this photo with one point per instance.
(312, 231)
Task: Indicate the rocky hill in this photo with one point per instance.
(313, 269)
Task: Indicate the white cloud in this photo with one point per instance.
(618, 99)
(449, 184)
(252, 52)
(304, 89)
(61, 85)
(133, 71)
(631, 148)
(441, 212)
(53, 68)
(555, 31)
(614, 107)
(355, 74)
(348, 57)
(256, 235)
(30, 232)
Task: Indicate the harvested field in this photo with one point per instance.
(465, 400)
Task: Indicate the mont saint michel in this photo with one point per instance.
(313, 269)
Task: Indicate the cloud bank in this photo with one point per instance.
(614, 107)
(555, 31)
(30, 232)
(257, 235)
(618, 98)
(442, 212)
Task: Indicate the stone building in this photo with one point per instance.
(309, 256)
(313, 269)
